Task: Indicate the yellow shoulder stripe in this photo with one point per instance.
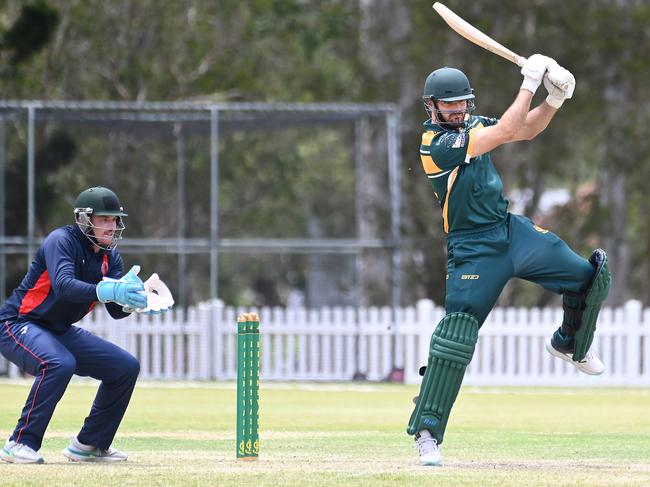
(428, 136)
(470, 146)
(430, 167)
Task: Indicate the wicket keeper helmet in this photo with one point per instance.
(98, 201)
(447, 84)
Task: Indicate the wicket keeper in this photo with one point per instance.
(64, 282)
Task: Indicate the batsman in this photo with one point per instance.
(487, 245)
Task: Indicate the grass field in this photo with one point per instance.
(350, 434)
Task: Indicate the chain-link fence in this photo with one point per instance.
(260, 204)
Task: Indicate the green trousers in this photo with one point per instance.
(481, 262)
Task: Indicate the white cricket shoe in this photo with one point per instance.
(430, 453)
(14, 452)
(78, 452)
(590, 365)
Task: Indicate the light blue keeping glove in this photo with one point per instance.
(151, 297)
(124, 293)
(131, 276)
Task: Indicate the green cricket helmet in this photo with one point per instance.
(99, 201)
(447, 84)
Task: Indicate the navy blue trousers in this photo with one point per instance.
(53, 360)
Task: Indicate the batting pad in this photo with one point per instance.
(451, 349)
(593, 299)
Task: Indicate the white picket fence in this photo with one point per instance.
(334, 344)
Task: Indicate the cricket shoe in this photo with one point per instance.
(590, 365)
(14, 452)
(430, 453)
(78, 452)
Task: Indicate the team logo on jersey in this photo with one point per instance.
(470, 277)
(540, 229)
(460, 141)
(453, 140)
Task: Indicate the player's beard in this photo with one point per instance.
(456, 123)
(451, 120)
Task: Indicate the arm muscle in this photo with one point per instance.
(506, 130)
(536, 121)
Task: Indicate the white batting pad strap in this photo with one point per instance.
(159, 298)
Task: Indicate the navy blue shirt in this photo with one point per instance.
(59, 287)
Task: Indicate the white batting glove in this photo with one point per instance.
(562, 78)
(556, 96)
(533, 71)
(560, 84)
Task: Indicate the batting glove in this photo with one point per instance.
(562, 78)
(533, 71)
(556, 96)
(560, 84)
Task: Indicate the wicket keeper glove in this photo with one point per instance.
(124, 293)
(131, 276)
(159, 297)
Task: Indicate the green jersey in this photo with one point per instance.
(469, 189)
